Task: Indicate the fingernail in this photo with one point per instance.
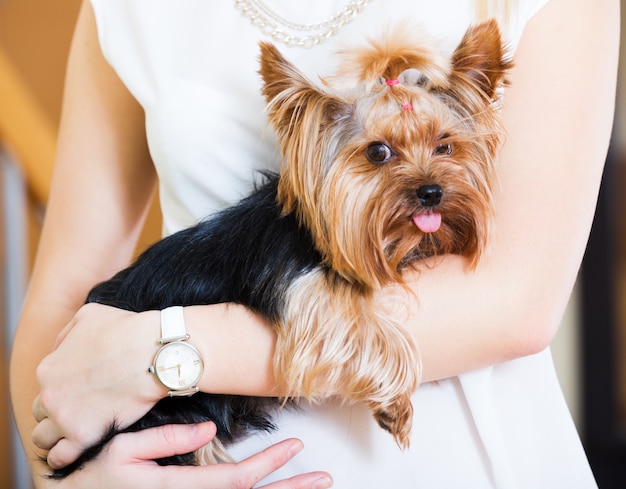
(295, 447)
(202, 429)
(322, 483)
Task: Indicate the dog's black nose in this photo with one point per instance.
(430, 195)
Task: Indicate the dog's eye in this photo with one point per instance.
(443, 149)
(378, 153)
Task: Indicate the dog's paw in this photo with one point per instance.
(397, 419)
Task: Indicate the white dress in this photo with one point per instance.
(192, 64)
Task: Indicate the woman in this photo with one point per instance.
(184, 73)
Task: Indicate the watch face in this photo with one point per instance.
(178, 365)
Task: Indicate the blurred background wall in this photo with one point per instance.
(34, 40)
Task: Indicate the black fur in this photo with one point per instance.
(248, 254)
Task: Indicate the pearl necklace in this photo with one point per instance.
(273, 25)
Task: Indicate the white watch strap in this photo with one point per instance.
(173, 325)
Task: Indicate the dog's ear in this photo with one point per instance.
(279, 75)
(305, 118)
(291, 96)
(480, 61)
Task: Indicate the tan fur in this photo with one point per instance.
(336, 343)
(212, 453)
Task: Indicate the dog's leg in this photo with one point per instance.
(212, 453)
(335, 342)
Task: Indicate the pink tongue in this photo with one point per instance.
(428, 223)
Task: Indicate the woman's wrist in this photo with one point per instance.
(148, 333)
(237, 347)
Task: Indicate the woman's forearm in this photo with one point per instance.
(558, 119)
(237, 347)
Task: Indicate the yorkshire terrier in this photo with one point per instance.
(375, 177)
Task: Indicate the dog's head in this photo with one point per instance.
(400, 165)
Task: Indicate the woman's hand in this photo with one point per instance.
(127, 463)
(95, 376)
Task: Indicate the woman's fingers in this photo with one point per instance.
(45, 435)
(313, 480)
(247, 473)
(39, 412)
(163, 441)
(63, 453)
(271, 459)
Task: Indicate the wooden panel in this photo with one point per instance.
(36, 35)
(26, 129)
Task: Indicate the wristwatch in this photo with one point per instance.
(177, 364)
